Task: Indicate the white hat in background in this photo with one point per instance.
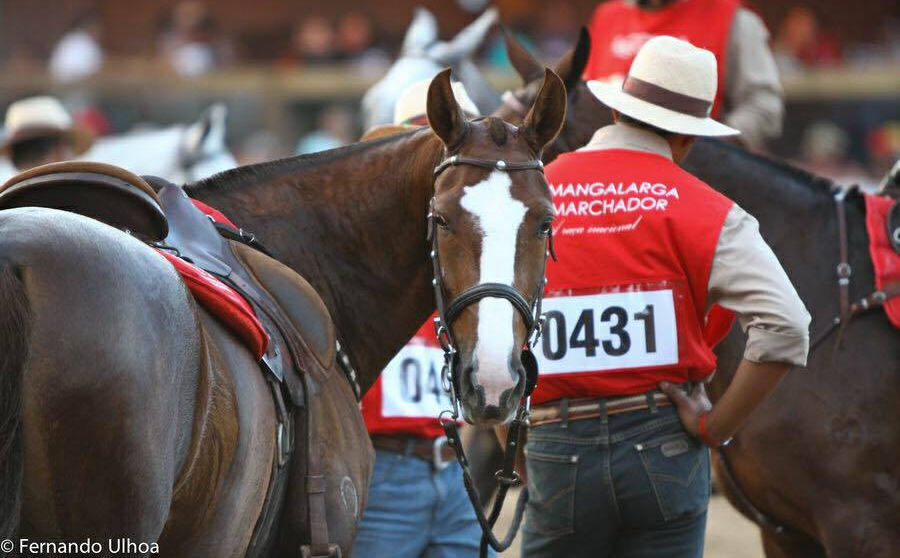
(412, 103)
(671, 85)
(35, 117)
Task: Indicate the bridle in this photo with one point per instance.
(530, 311)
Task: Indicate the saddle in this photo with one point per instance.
(297, 346)
(103, 192)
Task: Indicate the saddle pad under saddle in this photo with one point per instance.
(885, 260)
(224, 303)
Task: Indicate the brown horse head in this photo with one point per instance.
(585, 113)
(491, 225)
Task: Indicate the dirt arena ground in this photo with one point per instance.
(728, 534)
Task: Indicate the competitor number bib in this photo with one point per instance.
(608, 331)
(411, 383)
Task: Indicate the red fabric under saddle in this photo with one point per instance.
(224, 303)
(884, 259)
(213, 213)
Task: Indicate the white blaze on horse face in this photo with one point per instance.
(498, 216)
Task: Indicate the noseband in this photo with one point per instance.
(447, 313)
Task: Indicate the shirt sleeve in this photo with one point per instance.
(753, 93)
(747, 278)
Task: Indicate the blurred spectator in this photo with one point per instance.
(884, 148)
(39, 130)
(825, 151)
(78, 53)
(260, 147)
(312, 42)
(191, 45)
(356, 43)
(801, 43)
(335, 127)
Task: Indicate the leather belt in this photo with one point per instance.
(435, 451)
(593, 407)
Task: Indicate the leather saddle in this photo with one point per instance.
(103, 192)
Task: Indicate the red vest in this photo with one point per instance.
(626, 302)
(407, 397)
(619, 30)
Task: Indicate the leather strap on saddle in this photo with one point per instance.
(195, 238)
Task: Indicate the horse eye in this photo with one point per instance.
(546, 228)
(440, 221)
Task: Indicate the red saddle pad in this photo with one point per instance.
(224, 303)
(885, 261)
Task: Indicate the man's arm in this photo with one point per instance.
(753, 94)
(747, 278)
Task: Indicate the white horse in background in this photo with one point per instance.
(422, 56)
(179, 153)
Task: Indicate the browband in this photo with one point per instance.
(500, 165)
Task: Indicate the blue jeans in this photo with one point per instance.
(414, 511)
(631, 485)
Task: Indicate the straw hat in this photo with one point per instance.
(35, 117)
(671, 85)
(411, 106)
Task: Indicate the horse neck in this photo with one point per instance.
(797, 217)
(352, 222)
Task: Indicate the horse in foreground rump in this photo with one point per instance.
(820, 458)
(128, 411)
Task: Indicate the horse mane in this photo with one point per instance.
(237, 177)
(812, 182)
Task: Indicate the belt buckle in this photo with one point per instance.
(437, 460)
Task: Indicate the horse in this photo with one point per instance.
(128, 411)
(179, 153)
(817, 465)
(422, 56)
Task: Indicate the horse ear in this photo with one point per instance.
(527, 66)
(548, 113)
(571, 66)
(444, 115)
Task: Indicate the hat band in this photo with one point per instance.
(666, 98)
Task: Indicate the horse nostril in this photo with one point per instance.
(492, 412)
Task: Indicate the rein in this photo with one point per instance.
(530, 312)
(844, 271)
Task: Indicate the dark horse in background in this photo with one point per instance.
(128, 411)
(821, 458)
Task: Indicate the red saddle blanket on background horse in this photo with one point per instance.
(219, 299)
(884, 259)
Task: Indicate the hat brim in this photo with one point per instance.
(612, 96)
(79, 137)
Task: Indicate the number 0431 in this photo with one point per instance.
(609, 331)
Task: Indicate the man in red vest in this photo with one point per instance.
(617, 457)
(749, 93)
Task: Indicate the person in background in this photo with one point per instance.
(749, 98)
(617, 456)
(191, 45)
(356, 43)
(334, 129)
(313, 42)
(417, 503)
(78, 54)
(39, 130)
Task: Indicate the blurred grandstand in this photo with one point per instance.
(292, 71)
